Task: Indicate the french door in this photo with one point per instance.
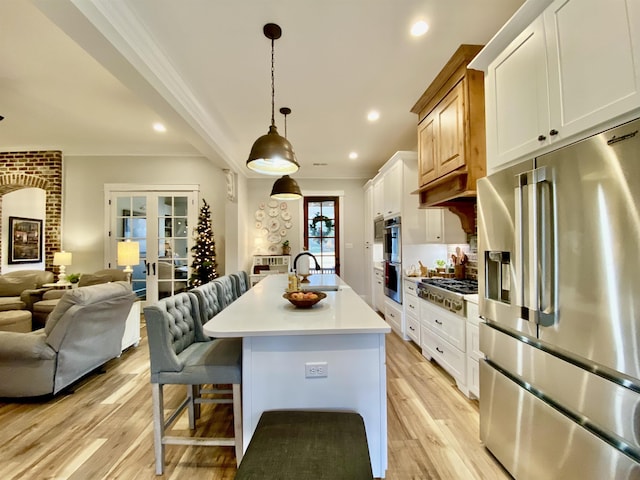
(161, 222)
(322, 232)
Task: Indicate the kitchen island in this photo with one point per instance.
(329, 357)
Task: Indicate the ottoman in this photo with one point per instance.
(15, 321)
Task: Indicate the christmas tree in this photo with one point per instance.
(203, 268)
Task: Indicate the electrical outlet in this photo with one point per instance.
(316, 369)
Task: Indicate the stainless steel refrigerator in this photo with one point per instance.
(559, 263)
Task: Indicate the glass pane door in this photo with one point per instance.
(321, 233)
(160, 223)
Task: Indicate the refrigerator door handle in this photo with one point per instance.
(545, 248)
(521, 182)
(531, 289)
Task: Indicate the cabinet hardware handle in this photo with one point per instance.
(438, 322)
(411, 328)
(439, 351)
(541, 138)
(553, 132)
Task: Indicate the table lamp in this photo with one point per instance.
(62, 259)
(128, 254)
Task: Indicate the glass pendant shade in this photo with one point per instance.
(272, 154)
(286, 188)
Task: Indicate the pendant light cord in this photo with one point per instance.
(273, 88)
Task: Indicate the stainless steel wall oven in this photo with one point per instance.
(392, 259)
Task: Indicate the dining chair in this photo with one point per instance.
(181, 354)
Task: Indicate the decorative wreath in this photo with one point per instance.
(326, 225)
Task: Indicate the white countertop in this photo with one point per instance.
(263, 312)
(322, 282)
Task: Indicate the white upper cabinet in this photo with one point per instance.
(517, 98)
(592, 48)
(393, 187)
(378, 196)
(571, 72)
(442, 226)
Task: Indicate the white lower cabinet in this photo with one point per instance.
(473, 349)
(378, 289)
(411, 311)
(443, 339)
(393, 316)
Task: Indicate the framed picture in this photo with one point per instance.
(25, 240)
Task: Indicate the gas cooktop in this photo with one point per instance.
(462, 286)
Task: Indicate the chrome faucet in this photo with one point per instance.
(295, 260)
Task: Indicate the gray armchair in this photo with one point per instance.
(20, 289)
(83, 332)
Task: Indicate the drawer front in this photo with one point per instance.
(445, 324)
(449, 357)
(393, 316)
(410, 288)
(413, 329)
(411, 306)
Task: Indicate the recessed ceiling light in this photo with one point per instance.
(373, 115)
(158, 127)
(353, 155)
(419, 28)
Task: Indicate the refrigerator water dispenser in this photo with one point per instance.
(498, 279)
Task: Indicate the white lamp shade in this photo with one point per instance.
(128, 253)
(62, 258)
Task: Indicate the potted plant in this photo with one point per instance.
(440, 266)
(286, 249)
(73, 277)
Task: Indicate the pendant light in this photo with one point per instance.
(272, 154)
(286, 188)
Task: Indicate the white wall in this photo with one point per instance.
(83, 226)
(25, 203)
(352, 256)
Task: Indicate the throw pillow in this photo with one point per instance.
(87, 279)
(14, 286)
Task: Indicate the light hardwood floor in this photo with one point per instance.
(103, 429)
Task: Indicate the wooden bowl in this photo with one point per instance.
(305, 302)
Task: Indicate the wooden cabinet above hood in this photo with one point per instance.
(451, 137)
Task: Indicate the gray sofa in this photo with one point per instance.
(83, 332)
(43, 308)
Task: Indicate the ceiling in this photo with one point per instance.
(90, 77)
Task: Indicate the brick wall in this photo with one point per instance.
(37, 170)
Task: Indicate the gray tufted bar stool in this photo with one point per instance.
(181, 354)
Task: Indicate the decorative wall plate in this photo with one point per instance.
(288, 225)
(260, 215)
(286, 216)
(261, 206)
(273, 203)
(258, 225)
(283, 232)
(283, 205)
(273, 249)
(273, 224)
(274, 212)
(273, 238)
